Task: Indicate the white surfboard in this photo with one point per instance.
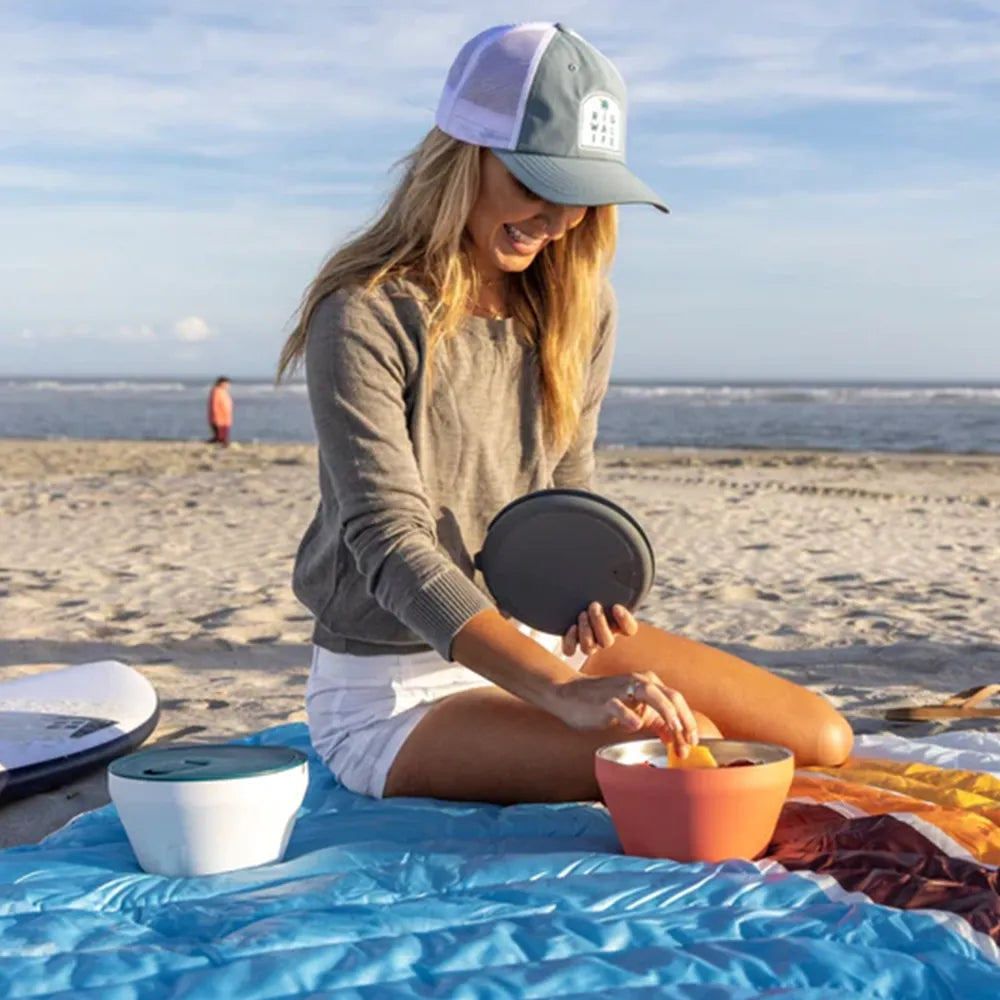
(58, 725)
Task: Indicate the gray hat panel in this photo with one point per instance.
(576, 104)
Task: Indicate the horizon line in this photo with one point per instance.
(805, 380)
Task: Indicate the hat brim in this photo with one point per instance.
(565, 180)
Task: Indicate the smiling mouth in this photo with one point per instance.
(521, 241)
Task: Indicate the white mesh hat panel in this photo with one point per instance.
(487, 86)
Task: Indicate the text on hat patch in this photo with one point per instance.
(600, 124)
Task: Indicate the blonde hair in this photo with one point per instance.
(420, 236)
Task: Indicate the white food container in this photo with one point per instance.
(208, 808)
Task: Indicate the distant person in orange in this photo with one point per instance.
(220, 412)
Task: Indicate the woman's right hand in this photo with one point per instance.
(633, 701)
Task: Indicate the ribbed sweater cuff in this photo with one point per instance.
(442, 606)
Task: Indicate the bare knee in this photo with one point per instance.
(707, 729)
(834, 741)
(828, 743)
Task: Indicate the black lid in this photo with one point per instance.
(548, 554)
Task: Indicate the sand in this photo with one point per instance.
(872, 578)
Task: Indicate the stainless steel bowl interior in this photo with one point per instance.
(724, 751)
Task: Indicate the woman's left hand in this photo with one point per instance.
(593, 630)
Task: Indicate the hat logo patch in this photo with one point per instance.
(601, 124)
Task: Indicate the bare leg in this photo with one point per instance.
(745, 701)
(487, 745)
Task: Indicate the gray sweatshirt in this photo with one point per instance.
(411, 472)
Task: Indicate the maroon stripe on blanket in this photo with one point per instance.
(889, 861)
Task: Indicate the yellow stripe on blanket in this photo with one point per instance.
(965, 805)
(945, 785)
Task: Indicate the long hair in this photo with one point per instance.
(420, 237)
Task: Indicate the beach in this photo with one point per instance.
(872, 578)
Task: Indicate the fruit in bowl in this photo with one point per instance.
(699, 756)
(721, 801)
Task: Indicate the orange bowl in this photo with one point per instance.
(700, 814)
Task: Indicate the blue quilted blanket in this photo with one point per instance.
(408, 899)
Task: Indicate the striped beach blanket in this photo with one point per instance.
(881, 881)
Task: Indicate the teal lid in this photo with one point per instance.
(205, 762)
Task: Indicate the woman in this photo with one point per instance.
(457, 352)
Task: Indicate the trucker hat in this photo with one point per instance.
(551, 107)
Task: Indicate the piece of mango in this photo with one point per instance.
(700, 756)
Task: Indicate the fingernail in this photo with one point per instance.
(595, 608)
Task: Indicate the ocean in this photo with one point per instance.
(856, 417)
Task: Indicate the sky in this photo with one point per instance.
(174, 172)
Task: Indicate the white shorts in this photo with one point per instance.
(361, 709)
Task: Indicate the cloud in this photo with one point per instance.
(892, 281)
(783, 89)
(143, 332)
(192, 329)
(712, 151)
(236, 267)
(197, 73)
(219, 102)
(124, 333)
(203, 156)
(205, 69)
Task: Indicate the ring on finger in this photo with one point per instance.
(630, 691)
